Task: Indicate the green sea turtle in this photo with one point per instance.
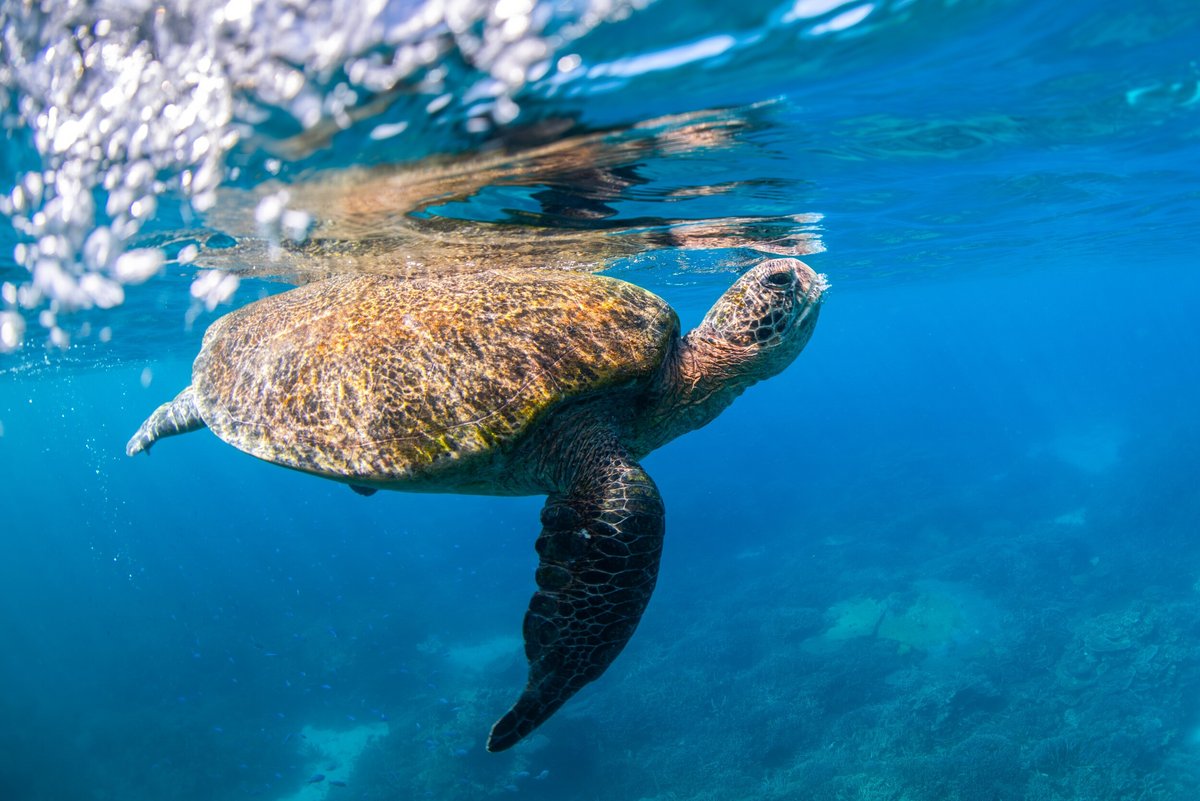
(503, 382)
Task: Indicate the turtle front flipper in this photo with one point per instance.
(177, 417)
(599, 551)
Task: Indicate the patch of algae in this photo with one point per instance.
(931, 620)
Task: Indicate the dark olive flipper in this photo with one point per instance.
(599, 551)
(366, 492)
(177, 417)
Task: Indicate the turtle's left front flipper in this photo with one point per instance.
(599, 551)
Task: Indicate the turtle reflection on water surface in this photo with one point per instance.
(503, 382)
(433, 216)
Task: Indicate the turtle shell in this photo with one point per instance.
(382, 380)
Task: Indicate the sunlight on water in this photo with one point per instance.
(135, 118)
(143, 99)
(948, 555)
(142, 129)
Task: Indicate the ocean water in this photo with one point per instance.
(951, 553)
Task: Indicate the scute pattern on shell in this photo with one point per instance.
(427, 380)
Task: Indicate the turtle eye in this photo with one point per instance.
(779, 280)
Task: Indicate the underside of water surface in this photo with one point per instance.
(949, 554)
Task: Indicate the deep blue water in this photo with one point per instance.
(951, 553)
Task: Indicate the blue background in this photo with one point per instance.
(996, 416)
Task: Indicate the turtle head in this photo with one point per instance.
(760, 325)
(756, 329)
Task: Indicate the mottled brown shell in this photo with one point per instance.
(379, 380)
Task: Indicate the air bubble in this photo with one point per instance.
(137, 266)
(438, 103)
(12, 331)
(104, 292)
(505, 110)
(295, 224)
(387, 131)
(213, 287)
(271, 207)
(141, 117)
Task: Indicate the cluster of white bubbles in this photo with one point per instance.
(125, 100)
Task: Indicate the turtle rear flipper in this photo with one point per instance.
(599, 551)
(176, 417)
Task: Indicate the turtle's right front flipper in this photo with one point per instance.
(177, 417)
(599, 551)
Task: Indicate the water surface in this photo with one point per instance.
(950, 554)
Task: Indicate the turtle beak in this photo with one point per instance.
(810, 288)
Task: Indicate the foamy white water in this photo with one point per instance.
(125, 103)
